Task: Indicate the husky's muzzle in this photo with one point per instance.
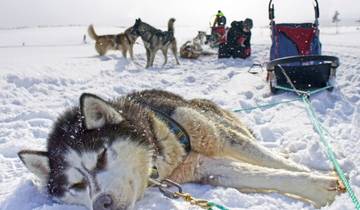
(106, 202)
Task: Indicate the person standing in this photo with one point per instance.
(220, 19)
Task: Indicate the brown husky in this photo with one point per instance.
(99, 154)
(123, 42)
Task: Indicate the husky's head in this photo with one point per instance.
(201, 36)
(94, 157)
(135, 28)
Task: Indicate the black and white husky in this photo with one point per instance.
(155, 39)
(100, 153)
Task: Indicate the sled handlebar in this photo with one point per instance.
(272, 10)
(303, 58)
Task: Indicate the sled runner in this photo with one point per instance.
(295, 55)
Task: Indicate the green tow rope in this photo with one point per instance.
(212, 204)
(330, 152)
(304, 96)
(265, 105)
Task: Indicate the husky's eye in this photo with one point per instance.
(79, 186)
(101, 160)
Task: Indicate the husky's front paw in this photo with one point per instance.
(326, 191)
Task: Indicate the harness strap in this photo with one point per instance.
(175, 128)
(142, 34)
(178, 130)
(149, 40)
(168, 35)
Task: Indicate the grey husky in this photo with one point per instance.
(155, 39)
(100, 154)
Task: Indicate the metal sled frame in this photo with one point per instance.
(310, 72)
(306, 70)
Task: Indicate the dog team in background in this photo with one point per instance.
(231, 42)
(154, 40)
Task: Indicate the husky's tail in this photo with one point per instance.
(171, 25)
(91, 32)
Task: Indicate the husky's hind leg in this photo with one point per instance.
(147, 58)
(318, 189)
(212, 134)
(174, 50)
(100, 48)
(164, 51)
(131, 51)
(152, 57)
(124, 52)
(241, 147)
(239, 142)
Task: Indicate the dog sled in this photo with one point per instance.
(295, 56)
(217, 36)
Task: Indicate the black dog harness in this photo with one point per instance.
(179, 132)
(175, 128)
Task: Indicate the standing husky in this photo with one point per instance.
(123, 42)
(99, 154)
(155, 39)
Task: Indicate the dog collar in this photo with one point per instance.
(175, 128)
(179, 132)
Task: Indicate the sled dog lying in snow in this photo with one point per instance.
(99, 154)
(123, 42)
(200, 38)
(193, 49)
(155, 39)
(190, 50)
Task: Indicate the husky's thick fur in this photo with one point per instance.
(100, 154)
(200, 39)
(194, 49)
(123, 42)
(155, 39)
(190, 50)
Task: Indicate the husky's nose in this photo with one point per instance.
(104, 202)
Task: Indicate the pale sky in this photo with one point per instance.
(14, 13)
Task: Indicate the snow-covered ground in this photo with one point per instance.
(45, 70)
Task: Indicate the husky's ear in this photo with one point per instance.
(97, 112)
(37, 162)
